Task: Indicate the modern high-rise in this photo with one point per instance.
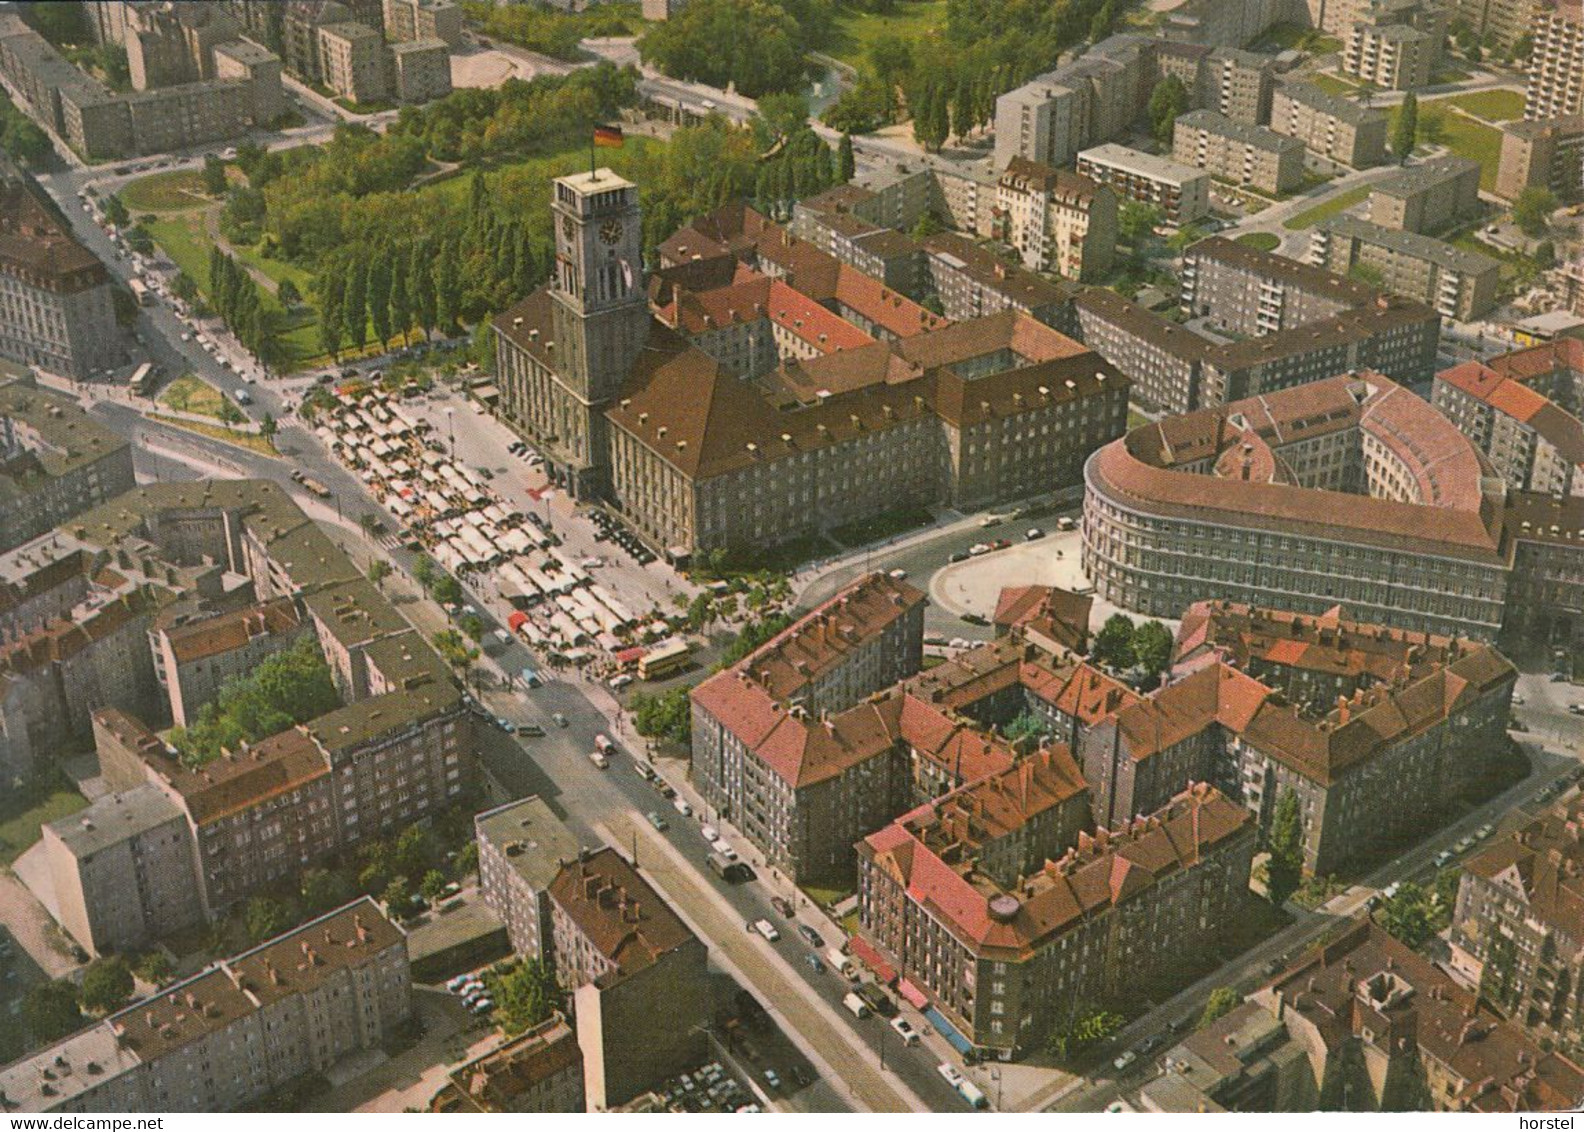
(1556, 62)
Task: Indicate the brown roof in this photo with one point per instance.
(1540, 864)
(227, 632)
(1458, 518)
(1029, 290)
(617, 911)
(35, 244)
(1023, 175)
(1367, 984)
(1057, 614)
(1504, 389)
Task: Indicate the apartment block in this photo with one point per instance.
(409, 20)
(522, 845)
(1003, 954)
(1547, 153)
(1330, 127)
(971, 282)
(1237, 84)
(1556, 62)
(353, 62)
(1180, 192)
(1165, 358)
(1457, 283)
(234, 1032)
(637, 975)
(420, 71)
(1521, 410)
(1237, 152)
(1431, 734)
(1426, 198)
(123, 871)
(1081, 103)
(540, 1070)
(1502, 22)
(194, 658)
(1392, 56)
(1059, 222)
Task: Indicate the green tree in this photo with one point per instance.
(214, 176)
(525, 995)
(846, 162)
(1545, 255)
(1406, 129)
(183, 287)
(424, 571)
(668, 716)
(230, 415)
(268, 427)
(1152, 646)
(116, 212)
(354, 299)
(448, 288)
(379, 294)
(1522, 47)
(1222, 1001)
(397, 897)
(1026, 725)
(433, 885)
(378, 571)
(1167, 101)
(265, 918)
(1113, 645)
(784, 112)
(288, 294)
(331, 288)
(1533, 208)
(1285, 870)
(446, 590)
(421, 288)
(324, 889)
(155, 967)
(1090, 1026)
(757, 47)
(1137, 221)
(1407, 915)
(107, 984)
(400, 303)
(51, 1011)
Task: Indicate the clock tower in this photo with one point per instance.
(600, 309)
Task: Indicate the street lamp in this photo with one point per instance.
(451, 428)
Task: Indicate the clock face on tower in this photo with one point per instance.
(611, 231)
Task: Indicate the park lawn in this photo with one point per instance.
(184, 240)
(1261, 241)
(175, 191)
(1339, 203)
(191, 394)
(253, 440)
(1475, 140)
(856, 30)
(1292, 37)
(1331, 84)
(22, 816)
(1491, 105)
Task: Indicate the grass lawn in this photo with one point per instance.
(184, 240)
(856, 30)
(1293, 37)
(1332, 84)
(1492, 105)
(191, 394)
(30, 808)
(1261, 241)
(220, 432)
(1475, 140)
(176, 191)
(1336, 204)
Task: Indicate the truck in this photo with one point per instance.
(140, 292)
(856, 1006)
(603, 744)
(316, 487)
(144, 378)
(841, 963)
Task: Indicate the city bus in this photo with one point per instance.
(144, 378)
(665, 659)
(140, 292)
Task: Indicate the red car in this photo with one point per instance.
(782, 905)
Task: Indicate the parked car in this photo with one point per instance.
(683, 808)
(599, 760)
(772, 1078)
(1443, 858)
(905, 1030)
(560, 720)
(1033, 534)
(657, 821)
(710, 833)
(810, 936)
(766, 929)
(783, 905)
(815, 963)
(1121, 1063)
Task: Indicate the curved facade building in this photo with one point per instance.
(1349, 490)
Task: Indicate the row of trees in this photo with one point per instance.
(236, 297)
(1121, 644)
(555, 33)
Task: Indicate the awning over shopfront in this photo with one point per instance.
(869, 957)
(914, 996)
(959, 1043)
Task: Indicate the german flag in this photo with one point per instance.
(608, 137)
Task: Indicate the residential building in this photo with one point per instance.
(1004, 939)
(661, 9)
(1180, 192)
(56, 311)
(1426, 198)
(1364, 1023)
(1546, 153)
(1431, 735)
(1499, 22)
(1329, 126)
(637, 976)
(1556, 61)
(1345, 490)
(1082, 103)
(970, 282)
(195, 659)
(1520, 410)
(1516, 932)
(1216, 22)
(522, 845)
(409, 20)
(354, 62)
(1293, 323)
(638, 412)
(123, 871)
(1233, 83)
(540, 1070)
(1457, 283)
(420, 71)
(1055, 619)
(236, 1031)
(1235, 151)
(1059, 222)
(1393, 56)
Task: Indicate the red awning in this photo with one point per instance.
(872, 959)
(517, 620)
(914, 996)
(630, 656)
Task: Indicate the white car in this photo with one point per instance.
(1127, 1059)
(766, 929)
(683, 808)
(898, 575)
(725, 850)
(905, 1030)
(979, 548)
(711, 834)
(950, 1072)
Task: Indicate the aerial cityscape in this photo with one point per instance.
(800, 556)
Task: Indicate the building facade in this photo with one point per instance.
(1556, 62)
(1329, 126)
(522, 846)
(1234, 151)
(1181, 192)
(1545, 153)
(1456, 283)
(1428, 197)
(1059, 222)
